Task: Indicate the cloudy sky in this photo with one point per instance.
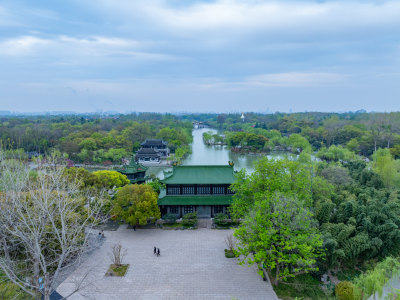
(190, 56)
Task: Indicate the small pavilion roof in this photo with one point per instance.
(132, 168)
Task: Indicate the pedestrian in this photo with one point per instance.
(155, 250)
(134, 227)
(158, 251)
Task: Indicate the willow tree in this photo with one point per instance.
(45, 225)
(373, 282)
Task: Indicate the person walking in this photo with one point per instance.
(155, 250)
(158, 251)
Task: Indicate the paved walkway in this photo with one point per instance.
(192, 265)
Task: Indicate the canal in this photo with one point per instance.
(214, 155)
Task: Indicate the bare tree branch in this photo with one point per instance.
(45, 223)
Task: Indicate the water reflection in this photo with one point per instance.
(214, 155)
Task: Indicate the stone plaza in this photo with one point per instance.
(192, 265)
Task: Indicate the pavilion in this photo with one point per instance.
(135, 172)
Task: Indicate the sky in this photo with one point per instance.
(199, 56)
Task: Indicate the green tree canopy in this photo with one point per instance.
(336, 153)
(386, 167)
(109, 179)
(283, 236)
(298, 143)
(135, 204)
(270, 176)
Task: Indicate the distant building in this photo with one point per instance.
(201, 189)
(158, 145)
(135, 172)
(242, 117)
(144, 155)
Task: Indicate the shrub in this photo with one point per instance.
(219, 219)
(229, 253)
(344, 290)
(170, 218)
(189, 220)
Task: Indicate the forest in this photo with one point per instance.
(91, 138)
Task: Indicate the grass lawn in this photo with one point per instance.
(117, 270)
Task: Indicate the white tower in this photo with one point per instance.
(242, 117)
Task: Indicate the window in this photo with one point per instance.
(218, 189)
(229, 191)
(218, 209)
(188, 209)
(174, 210)
(173, 189)
(188, 189)
(203, 189)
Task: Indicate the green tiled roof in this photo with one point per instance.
(201, 175)
(132, 168)
(196, 200)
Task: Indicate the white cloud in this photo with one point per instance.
(72, 47)
(24, 45)
(294, 79)
(289, 79)
(237, 16)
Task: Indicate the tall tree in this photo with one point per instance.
(45, 225)
(283, 236)
(270, 176)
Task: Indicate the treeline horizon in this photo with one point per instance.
(99, 138)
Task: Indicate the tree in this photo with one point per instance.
(353, 145)
(338, 176)
(270, 176)
(298, 143)
(236, 139)
(135, 204)
(283, 236)
(336, 153)
(395, 151)
(109, 179)
(255, 140)
(221, 119)
(116, 154)
(45, 225)
(373, 281)
(88, 144)
(385, 166)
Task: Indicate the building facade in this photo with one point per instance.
(201, 189)
(158, 145)
(145, 155)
